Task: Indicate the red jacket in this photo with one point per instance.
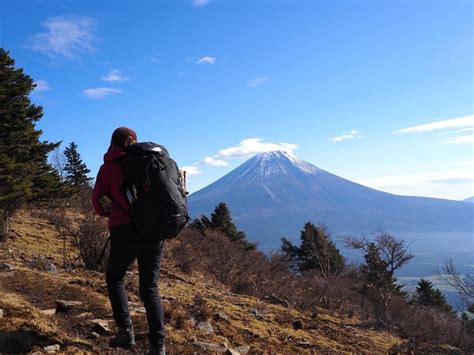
(108, 182)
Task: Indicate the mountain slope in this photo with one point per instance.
(29, 321)
(469, 199)
(274, 194)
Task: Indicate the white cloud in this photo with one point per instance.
(214, 162)
(469, 138)
(252, 146)
(100, 93)
(413, 179)
(42, 85)
(191, 170)
(206, 60)
(460, 122)
(245, 148)
(65, 36)
(200, 3)
(257, 82)
(451, 184)
(114, 75)
(345, 136)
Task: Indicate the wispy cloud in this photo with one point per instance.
(257, 82)
(68, 37)
(42, 85)
(191, 170)
(252, 146)
(345, 136)
(211, 161)
(154, 59)
(114, 76)
(206, 60)
(469, 138)
(459, 122)
(100, 93)
(245, 148)
(200, 3)
(413, 180)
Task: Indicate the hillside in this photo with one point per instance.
(29, 322)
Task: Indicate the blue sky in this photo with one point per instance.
(378, 92)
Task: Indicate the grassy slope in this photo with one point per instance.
(26, 291)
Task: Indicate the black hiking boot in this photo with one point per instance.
(125, 338)
(156, 350)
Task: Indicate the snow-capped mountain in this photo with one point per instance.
(273, 194)
(469, 199)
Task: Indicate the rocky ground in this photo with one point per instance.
(45, 307)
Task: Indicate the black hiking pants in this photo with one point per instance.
(125, 247)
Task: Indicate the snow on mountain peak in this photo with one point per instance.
(267, 158)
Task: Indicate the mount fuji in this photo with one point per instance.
(273, 194)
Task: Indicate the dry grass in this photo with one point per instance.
(24, 292)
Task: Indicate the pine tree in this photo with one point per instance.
(383, 257)
(316, 251)
(25, 175)
(76, 170)
(377, 273)
(221, 220)
(428, 296)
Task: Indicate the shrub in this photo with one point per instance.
(90, 239)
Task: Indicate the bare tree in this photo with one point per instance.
(383, 256)
(463, 285)
(393, 252)
(58, 161)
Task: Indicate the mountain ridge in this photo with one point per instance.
(273, 194)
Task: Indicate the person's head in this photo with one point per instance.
(123, 137)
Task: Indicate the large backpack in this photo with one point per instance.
(155, 189)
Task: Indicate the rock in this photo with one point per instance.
(1, 313)
(206, 327)
(209, 346)
(65, 306)
(52, 348)
(6, 267)
(243, 349)
(85, 315)
(297, 324)
(168, 298)
(140, 310)
(48, 312)
(220, 315)
(230, 351)
(48, 266)
(101, 326)
(94, 335)
(304, 344)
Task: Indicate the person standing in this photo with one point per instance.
(126, 246)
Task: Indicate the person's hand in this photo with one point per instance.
(106, 203)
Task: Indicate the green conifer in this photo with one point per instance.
(316, 251)
(221, 220)
(25, 175)
(76, 170)
(428, 296)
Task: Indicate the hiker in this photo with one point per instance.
(126, 246)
